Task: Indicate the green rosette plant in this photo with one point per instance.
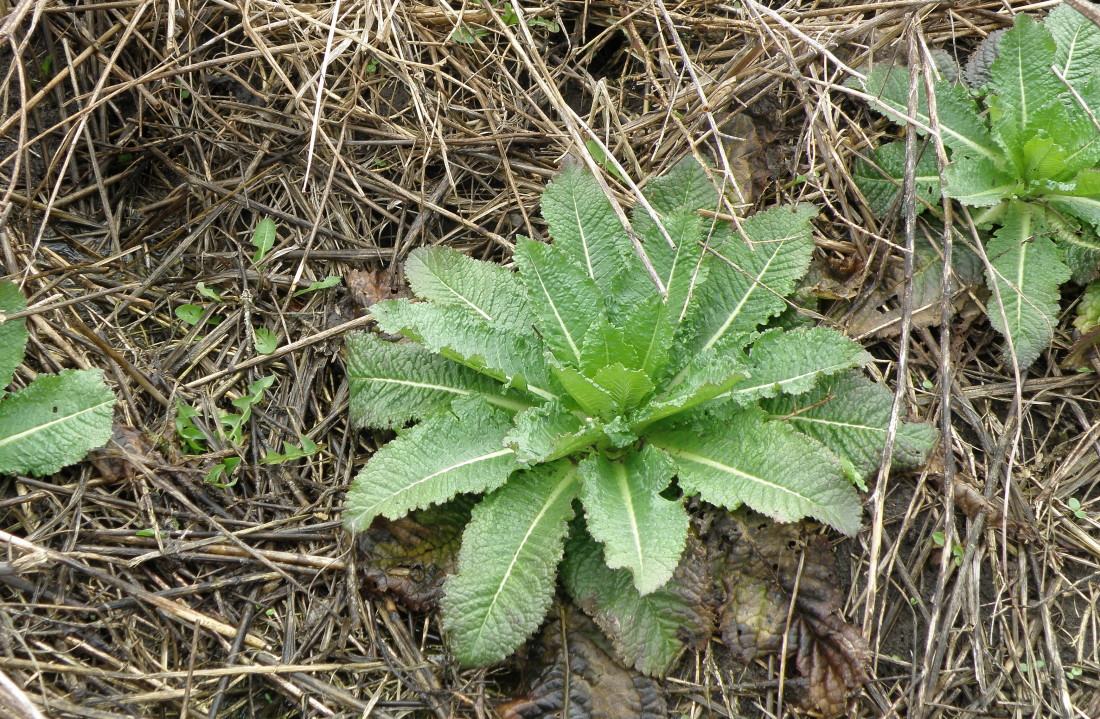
(613, 375)
(1020, 127)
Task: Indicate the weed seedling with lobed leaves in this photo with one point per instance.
(596, 386)
(1020, 125)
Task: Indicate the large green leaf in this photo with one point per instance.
(961, 126)
(747, 282)
(647, 631)
(767, 465)
(1083, 201)
(13, 333)
(565, 299)
(449, 277)
(589, 396)
(583, 224)
(1027, 269)
(1077, 43)
(792, 362)
(849, 414)
(882, 185)
(684, 187)
(54, 421)
(393, 383)
(1022, 87)
(507, 564)
(465, 336)
(640, 529)
(976, 181)
(446, 454)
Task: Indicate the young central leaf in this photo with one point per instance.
(564, 298)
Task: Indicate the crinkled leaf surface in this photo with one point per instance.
(882, 185)
(767, 465)
(547, 431)
(565, 299)
(746, 283)
(961, 126)
(589, 396)
(507, 564)
(648, 329)
(409, 558)
(580, 673)
(793, 362)
(1077, 45)
(761, 577)
(639, 529)
(1027, 268)
(648, 632)
(584, 226)
(448, 453)
(1021, 85)
(13, 333)
(849, 414)
(444, 275)
(465, 336)
(604, 345)
(625, 387)
(393, 383)
(708, 375)
(54, 421)
(976, 181)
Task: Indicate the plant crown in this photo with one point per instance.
(1020, 127)
(574, 386)
(56, 419)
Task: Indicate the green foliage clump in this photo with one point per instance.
(1024, 149)
(1088, 309)
(598, 389)
(56, 419)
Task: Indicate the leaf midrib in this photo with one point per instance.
(566, 480)
(43, 427)
(409, 487)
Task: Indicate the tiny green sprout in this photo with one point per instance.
(290, 452)
(126, 157)
(1075, 505)
(190, 314)
(468, 36)
(263, 238)
(372, 66)
(330, 281)
(223, 469)
(928, 384)
(913, 601)
(957, 549)
(537, 21)
(266, 341)
(270, 612)
(600, 156)
(150, 533)
(1036, 665)
(206, 291)
(1073, 672)
(192, 436)
(509, 15)
(938, 538)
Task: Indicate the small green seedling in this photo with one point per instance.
(330, 281)
(1021, 128)
(465, 35)
(208, 292)
(56, 419)
(193, 314)
(938, 539)
(1074, 672)
(1074, 505)
(263, 239)
(266, 341)
(1036, 665)
(594, 391)
(290, 452)
(222, 470)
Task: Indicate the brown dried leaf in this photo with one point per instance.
(578, 663)
(757, 572)
(409, 558)
(127, 451)
(746, 155)
(365, 287)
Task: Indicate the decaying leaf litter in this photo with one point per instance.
(143, 142)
